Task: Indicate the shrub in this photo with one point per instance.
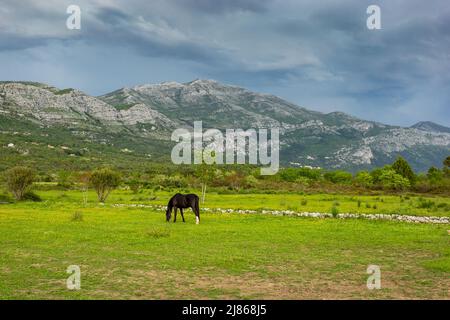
(134, 185)
(31, 196)
(64, 179)
(341, 177)
(77, 216)
(157, 233)
(435, 175)
(293, 174)
(425, 204)
(444, 206)
(19, 180)
(359, 203)
(4, 198)
(304, 202)
(364, 179)
(446, 162)
(303, 181)
(104, 181)
(391, 180)
(334, 211)
(251, 181)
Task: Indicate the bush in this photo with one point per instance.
(334, 211)
(443, 206)
(376, 173)
(364, 179)
(304, 202)
(169, 181)
(446, 162)
(4, 198)
(135, 185)
(77, 216)
(425, 204)
(251, 181)
(293, 174)
(391, 180)
(341, 177)
(435, 175)
(157, 233)
(31, 196)
(19, 180)
(303, 181)
(104, 181)
(64, 179)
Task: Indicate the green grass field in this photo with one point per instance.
(132, 253)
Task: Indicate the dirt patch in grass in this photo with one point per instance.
(158, 284)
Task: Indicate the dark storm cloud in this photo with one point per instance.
(159, 38)
(314, 53)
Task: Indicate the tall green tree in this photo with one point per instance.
(206, 173)
(402, 167)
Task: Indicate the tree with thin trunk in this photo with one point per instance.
(19, 180)
(83, 179)
(205, 172)
(104, 181)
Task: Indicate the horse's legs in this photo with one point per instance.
(175, 215)
(196, 210)
(182, 215)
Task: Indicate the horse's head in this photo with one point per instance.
(168, 214)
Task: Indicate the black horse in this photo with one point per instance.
(183, 201)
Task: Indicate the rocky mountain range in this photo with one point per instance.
(140, 120)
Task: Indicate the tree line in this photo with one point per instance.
(396, 177)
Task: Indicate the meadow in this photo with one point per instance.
(132, 253)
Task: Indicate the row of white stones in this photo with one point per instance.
(375, 216)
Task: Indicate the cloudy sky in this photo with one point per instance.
(317, 54)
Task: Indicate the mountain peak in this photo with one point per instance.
(430, 127)
(202, 81)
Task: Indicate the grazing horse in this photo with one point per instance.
(183, 201)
